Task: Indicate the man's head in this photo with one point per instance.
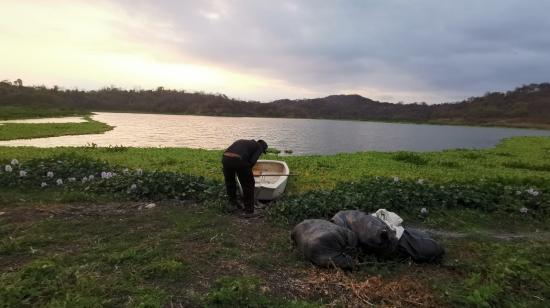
(263, 144)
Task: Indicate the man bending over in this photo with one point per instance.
(238, 159)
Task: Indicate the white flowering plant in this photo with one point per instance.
(99, 178)
(370, 193)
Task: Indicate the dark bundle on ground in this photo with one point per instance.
(373, 235)
(324, 243)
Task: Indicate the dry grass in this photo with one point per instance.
(354, 291)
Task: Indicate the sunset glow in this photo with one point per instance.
(257, 50)
(74, 44)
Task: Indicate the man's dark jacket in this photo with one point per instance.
(249, 150)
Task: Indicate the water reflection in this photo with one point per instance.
(302, 136)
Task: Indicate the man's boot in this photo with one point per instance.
(251, 215)
(234, 205)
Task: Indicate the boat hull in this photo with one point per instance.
(271, 177)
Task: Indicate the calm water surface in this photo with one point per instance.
(302, 136)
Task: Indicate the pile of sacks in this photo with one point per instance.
(336, 242)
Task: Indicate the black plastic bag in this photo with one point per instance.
(419, 246)
(373, 234)
(324, 243)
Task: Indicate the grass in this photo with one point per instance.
(104, 256)
(501, 163)
(21, 112)
(11, 131)
(498, 274)
(62, 247)
(113, 254)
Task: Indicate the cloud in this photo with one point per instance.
(426, 50)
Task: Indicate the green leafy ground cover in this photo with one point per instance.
(410, 198)
(88, 243)
(11, 131)
(514, 161)
(70, 173)
(74, 173)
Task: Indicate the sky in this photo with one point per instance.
(390, 50)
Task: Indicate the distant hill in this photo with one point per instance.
(527, 106)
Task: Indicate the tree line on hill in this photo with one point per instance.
(528, 105)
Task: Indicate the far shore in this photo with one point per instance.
(522, 125)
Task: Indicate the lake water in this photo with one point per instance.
(302, 136)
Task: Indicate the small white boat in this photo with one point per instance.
(271, 177)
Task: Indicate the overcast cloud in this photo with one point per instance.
(423, 50)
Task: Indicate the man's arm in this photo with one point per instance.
(255, 156)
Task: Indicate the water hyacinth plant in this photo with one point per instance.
(409, 196)
(148, 185)
(106, 175)
(532, 192)
(370, 193)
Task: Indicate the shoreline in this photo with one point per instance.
(517, 159)
(528, 126)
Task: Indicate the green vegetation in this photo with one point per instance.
(179, 253)
(11, 131)
(90, 241)
(517, 161)
(246, 292)
(498, 274)
(408, 198)
(23, 112)
(73, 174)
(117, 255)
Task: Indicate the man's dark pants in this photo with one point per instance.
(235, 166)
